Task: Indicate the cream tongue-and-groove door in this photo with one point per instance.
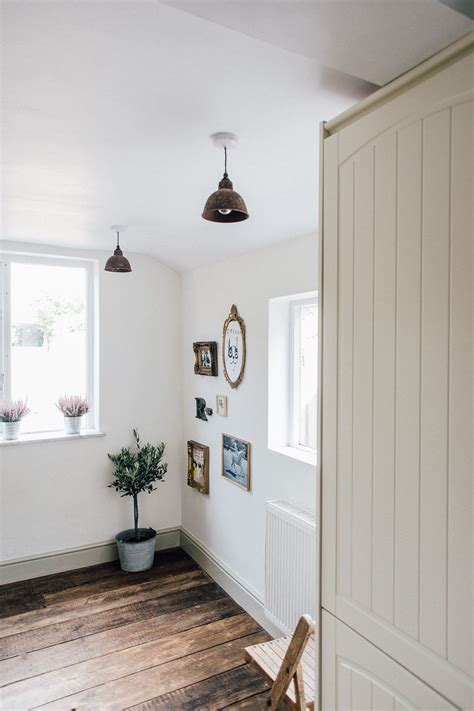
(396, 401)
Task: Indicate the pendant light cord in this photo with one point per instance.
(118, 243)
(225, 162)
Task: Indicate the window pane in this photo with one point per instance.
(308, 374)
(49, 343)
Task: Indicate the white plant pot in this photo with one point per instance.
(72, 425)
(11, 430)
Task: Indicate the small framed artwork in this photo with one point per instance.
(205, 355)
(221, 405)
(234, 348)
(236, 461)
(198, 466)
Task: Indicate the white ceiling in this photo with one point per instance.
(108, 107)
(376, 40)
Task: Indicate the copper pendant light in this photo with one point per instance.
(117, 262)
(225, 205)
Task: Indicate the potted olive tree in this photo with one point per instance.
(137, 468)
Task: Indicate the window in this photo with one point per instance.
(47, 336)
(303, 373)
(292, 399)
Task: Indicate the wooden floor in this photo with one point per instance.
(98, 638)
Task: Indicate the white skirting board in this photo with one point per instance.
(241, 592)
(59, 561)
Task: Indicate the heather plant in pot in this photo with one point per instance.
(73, 407)
(11, 414)
(137, 469)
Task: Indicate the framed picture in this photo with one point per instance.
(234, 348)
(198, 466)
(205, 355)
(236, 461)
(221, 405)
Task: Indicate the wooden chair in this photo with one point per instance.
(286, 660)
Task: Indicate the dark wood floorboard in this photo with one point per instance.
(81, 576)
(16, 644)
(231, 686)
(258, 702)
(16, 604)
(98, 638)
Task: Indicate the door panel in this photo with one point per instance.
(367, 679)
(396, 388)
(362, 385)
(459, 591)
(406, 414)
(344, 408)
(434, 285)
(385, 261)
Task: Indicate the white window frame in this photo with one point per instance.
(91, 420)
(294, 387)
(281, 373)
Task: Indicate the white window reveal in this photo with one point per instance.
(303, 373)
(47, 336)
(293, 375)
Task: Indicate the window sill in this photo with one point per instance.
(49, 437)
(295, 453)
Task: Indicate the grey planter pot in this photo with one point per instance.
(72, 425)
(135, 556)
(11, 430)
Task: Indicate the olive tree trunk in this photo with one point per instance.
(135, 515)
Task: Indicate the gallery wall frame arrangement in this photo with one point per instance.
(198, 466)
(236, 461)
(205, 355)
(234, 348)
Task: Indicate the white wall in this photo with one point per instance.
(230, 521)
(54, 495)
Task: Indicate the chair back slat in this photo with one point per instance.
(290, 665)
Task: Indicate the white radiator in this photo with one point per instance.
(290, 564)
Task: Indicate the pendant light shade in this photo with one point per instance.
(225, 204)
(117, 262)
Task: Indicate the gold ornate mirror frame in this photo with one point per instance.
(234, 316)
